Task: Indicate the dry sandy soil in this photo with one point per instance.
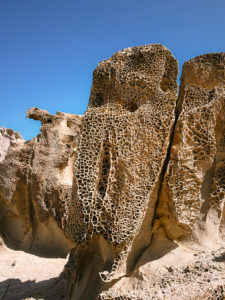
(26, 276)
(187, 275)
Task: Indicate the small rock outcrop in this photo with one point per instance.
(8, 137)
(35, 186)
(135, 189)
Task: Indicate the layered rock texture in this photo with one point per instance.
(135, 188)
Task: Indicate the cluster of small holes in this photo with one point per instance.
(115, 171)
(134, 76)
(123, 143)
(200, 132)
(216, 294)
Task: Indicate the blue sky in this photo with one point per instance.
(49, 48)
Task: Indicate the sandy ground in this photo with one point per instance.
(25, 276)
(200, 276)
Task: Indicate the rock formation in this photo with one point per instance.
(123, 146)
(145, 168)
(7, 138)
(35, 186)
(193, 189)
(135, 188)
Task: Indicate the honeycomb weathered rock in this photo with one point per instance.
(143, 162)
(193, 190)
(123, 146)
(141, 199)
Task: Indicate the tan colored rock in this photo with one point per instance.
(123, 146)
(35, 186)
(136, 188)
(7, 137)
(139, 166)
(193, 190)
(177, 274)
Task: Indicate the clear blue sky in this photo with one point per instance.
(49, 48)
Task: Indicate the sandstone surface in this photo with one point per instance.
(123, 146)
(135, 188)
(35, 186)
(193, 189)
(149, 175)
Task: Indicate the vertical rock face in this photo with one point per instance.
(7, 137)
(35, 186)
(193, 189)
(149, 176)
(123, 146)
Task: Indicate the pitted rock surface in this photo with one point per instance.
(123, 146)
(35, 186)
(194, 184)
(146, 160)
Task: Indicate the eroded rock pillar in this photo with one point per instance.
(193, 191)
(123, 146)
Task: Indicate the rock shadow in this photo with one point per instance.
(220, 258)
(15, 289)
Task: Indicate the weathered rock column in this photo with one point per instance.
(193, 191)
(123, 146)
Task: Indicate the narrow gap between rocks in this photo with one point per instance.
(177, 111)
(166, 161)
